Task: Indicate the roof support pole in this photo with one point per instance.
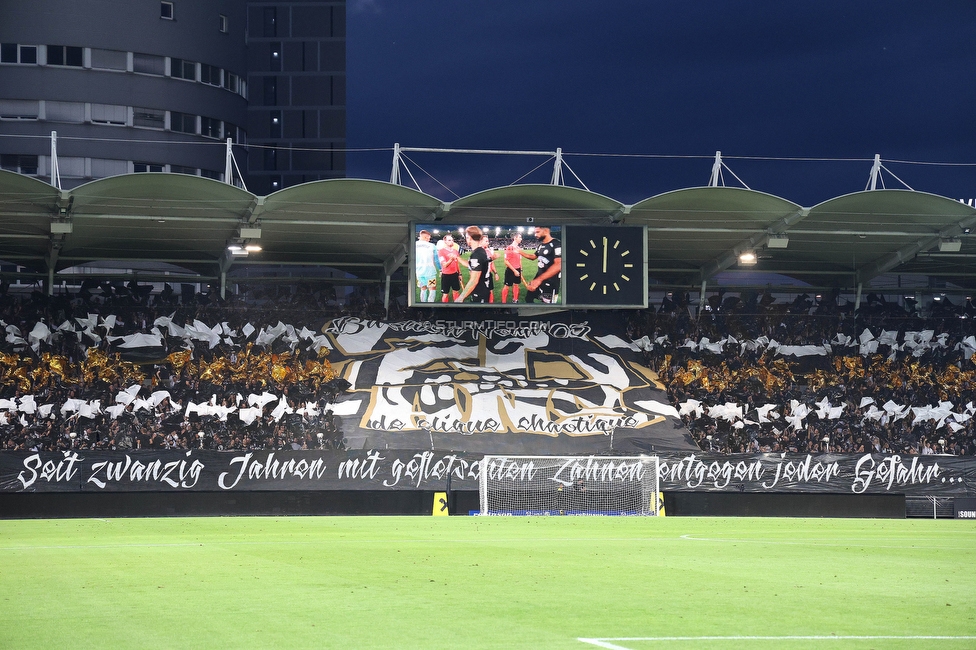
(55, 172)
(223, 285)
(557, 169)
(875, 172)
(716, 170)
(229, 163)
(50, 280)
(701, 298)
(386, 296)
(857, 296)
(395, 174)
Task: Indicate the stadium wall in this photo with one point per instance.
(422, 502)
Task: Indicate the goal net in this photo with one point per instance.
(569, 485)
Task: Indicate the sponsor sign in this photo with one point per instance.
(965, 508)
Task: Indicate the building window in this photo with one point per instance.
(28, 54)
(270, 91)
(209, 173)
(181, 69)
(166, 10)
(65, 55)
(224, 25)
(232, 132)
(109, 59)
(230, 81)
(69, 112)
(18, 163)
(105, 167)
(149, 118)
(182, 122)
(238, 135)
(146, 167)
(275, 61)
(149, 64)
(275, 124)
(210, 74)
(19, 109)
(14, 53)
(109, 114)
(210, 127)
(270, 21)
(180, 169)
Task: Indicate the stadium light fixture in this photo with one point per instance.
(777, 241)
(951, 245)
(748, 258)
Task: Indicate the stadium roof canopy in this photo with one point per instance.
(361, 228)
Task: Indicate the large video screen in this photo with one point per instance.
(486, 265)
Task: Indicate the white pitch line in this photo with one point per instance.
(600, 643)
(606, 642)
(64, 547)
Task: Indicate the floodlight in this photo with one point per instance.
(951, 245)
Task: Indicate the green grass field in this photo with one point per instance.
(472, 582)
(529, 270)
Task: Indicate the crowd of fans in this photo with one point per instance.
(723, 367)
(86, 368)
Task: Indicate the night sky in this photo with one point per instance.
(656, 87)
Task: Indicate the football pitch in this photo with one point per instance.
(529, 270)
(479, 582)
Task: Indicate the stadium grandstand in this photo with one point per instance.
(154, 313)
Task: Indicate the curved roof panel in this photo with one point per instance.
(363, 226)
(691, 232)
(340, 221)
(27, 206)
(551, 203)
(176, 218)
(864, 234)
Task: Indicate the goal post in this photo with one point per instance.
(569, 485)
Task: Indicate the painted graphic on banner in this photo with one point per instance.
(441, 382)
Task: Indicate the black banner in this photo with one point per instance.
(167, 471)
(200, 470)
